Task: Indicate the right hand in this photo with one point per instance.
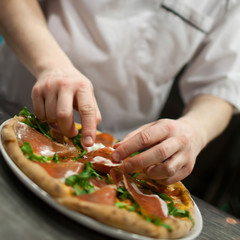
(59, 90)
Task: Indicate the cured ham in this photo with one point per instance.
(63, 169)
(150, 203)
(116, 175)
(105, 195)
(101, 159)
(98, 183)
(43, 145)
(105, 138)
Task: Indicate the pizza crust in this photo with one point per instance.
(35, 172)
(128, 221)
(110, 215)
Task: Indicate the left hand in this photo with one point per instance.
(172, 147)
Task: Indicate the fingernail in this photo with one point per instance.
(88, 141)
(128, 167)
(116, 157)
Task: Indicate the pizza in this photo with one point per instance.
(90, 182)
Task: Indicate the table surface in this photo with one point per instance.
(25, 216)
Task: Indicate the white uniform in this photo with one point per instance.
(131, 50)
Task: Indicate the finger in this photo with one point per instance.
(98, 114)
(38, 104)
(128, 136)
(148, 137)
(65, 113)
(50, 107)
(167, 169)
(180, 175)
(152, 156)
(87, 111)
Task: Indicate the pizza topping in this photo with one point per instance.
(151, 203)
(28, 152)
(81, 182)
(101, 159)
(116, 175)
(105, 139)
(79, 169)
(95, 147)
(33, 122)
(105, 161)
(64, 169)
(41, 144)
(105, 195)
(98, 182)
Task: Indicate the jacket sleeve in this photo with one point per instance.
(215, 68)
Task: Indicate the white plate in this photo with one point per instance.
(84, 220)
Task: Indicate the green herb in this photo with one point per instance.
(80, 182)
(156, 221)
(134, 207)
(77, 140)
(122, 193)
(28, 152)
(134, 154)
(178, 212)
(33, 122)
(159, 222)
(121, 205)
(80, 155)
(134, 175)
(164, 197)
(55, 158)
(109, 179)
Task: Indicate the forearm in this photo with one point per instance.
(209, 114)
(24, 28)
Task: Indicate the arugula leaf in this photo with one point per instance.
(28, 152)
(122, 193)
(55, 158)
(80, 182)
(134, 175)
(109, 179)
(121, 205)
(156, 221)
(134, 207)
(164, 197)
(159, 222)
(33, 122)
(77, 140)
(134, 154)
(178, 212)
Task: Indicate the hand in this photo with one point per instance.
(172, 147)
(57, 92)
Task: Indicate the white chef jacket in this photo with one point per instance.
(131, 50)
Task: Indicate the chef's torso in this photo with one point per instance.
(130, 50)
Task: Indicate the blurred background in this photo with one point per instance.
(216, 175)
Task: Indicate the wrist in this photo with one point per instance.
(199, 131)
(53, 63)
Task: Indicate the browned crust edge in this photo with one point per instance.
(109, 215)
(128, 221)
(35, 172)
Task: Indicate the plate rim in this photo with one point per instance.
(81, 218)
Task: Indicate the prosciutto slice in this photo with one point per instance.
(105, 195)
(63, 169)
(43, 145)
(105, 138)
(116, 175)
(101, 159)
(151, 203)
